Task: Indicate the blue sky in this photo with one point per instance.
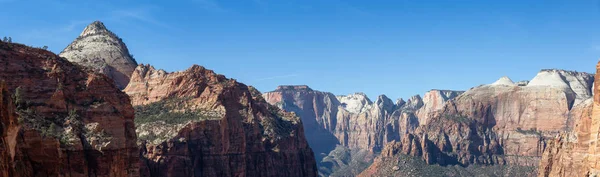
(398, 48)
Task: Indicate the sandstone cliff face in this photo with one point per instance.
(61, 120)
(102, 51)
(318, 111)
(497, 124)
(198, 123)
(574, 152)
(354, 121)
(434, 100)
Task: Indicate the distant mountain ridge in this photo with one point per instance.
(355, 122)
(352, 122)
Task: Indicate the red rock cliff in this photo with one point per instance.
(575, 152)
(198, 123)
(61, 120)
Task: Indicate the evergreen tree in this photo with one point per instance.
(9, 40)
(5, 39)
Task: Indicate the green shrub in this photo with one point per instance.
(165, 110)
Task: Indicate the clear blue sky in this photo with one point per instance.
(396, 47)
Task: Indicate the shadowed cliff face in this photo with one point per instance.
(198, 123)
(318, 113)
(497, 124)
(358, 125)
(61, 120)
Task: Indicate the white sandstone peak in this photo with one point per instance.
(580, 83)
(504, 81)
(102, 51)
(356, 102)
(96, 27)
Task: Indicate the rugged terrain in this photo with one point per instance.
(575, 152)
(503, 123)
(497, 124)
(360, 126)
(59, 119)
(198, 123)
(102, 51)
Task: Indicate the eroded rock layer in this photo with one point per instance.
(497, 124)
(575, 152)
(198, 123)
(353, 121)
(61, 120)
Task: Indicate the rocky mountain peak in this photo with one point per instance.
(355, 103)
(97, 27)
(385, 103)
(400, 102)
(504, 81)
(293, 88)
(205, 113)
(102, 51)
(579, 83)
(415, 102)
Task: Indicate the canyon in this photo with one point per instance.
(199, 123)
(71, 119)
(500, 124)
(59, 119)
(93, 110)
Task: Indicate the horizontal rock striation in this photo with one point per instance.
(575, 152)
(353, 121)
(59, 119)
(198, 123)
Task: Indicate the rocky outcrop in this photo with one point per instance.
(198, 123)
(574, 152)
(434, 100)
(355, 103)
(102, 51)
(497, 124)
(577, 84)
(566, 154)
(353, 121)
(59, 119)
(522, 83)
(414, 103)
(318, 111)
(504, 81)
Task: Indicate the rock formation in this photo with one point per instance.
(102, 51)
(198, 123)
(434, 100)
(318, 111)
(575, 152)
(61, 120)
(496, 124)
(577, 83)
(504, 81)
(353, 121)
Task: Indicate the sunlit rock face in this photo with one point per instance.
(353, 121)
(102, 51)
(59, 119)
(199, 123)
(502, 124)
(575, 152)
